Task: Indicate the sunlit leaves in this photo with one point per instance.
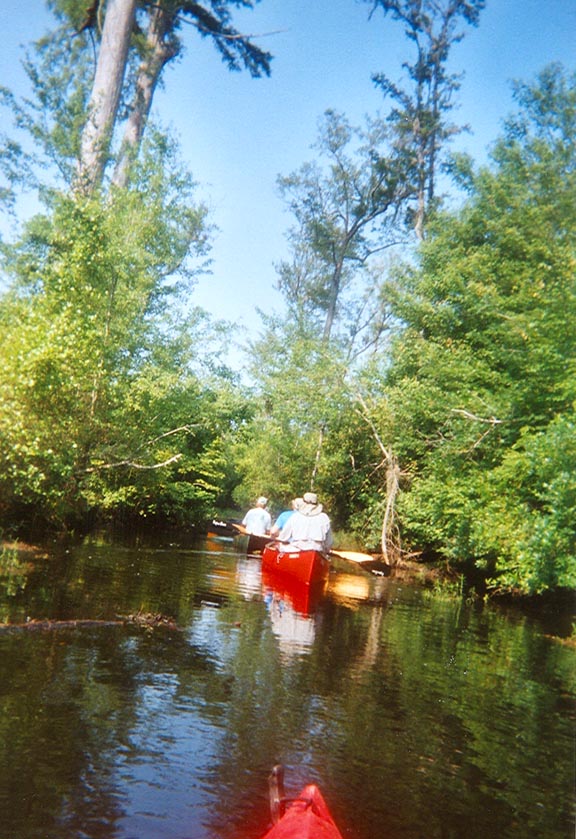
(99, 382)
(482, 380)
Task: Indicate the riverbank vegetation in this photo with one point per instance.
(420, 377)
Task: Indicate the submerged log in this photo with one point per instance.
(140, 619)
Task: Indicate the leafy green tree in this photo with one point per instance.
(346, 212)
(350, 206)
(481, 385)
(313, 429)
(98, 388)
(420, 111)
(111, 402)
(299, 399)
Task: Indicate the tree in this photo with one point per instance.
(104, 408)
(300, 398)
(160, 45)
(346, 213)
(419, 115)
(87, 119)
(481, 384)
(108, 406)
(106, 91)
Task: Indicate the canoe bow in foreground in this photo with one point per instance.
(306, 817)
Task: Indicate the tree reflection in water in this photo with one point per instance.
(416, 715)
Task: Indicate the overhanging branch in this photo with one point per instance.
(132, 465)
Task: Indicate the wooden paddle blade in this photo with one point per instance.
(238, 527)
(353, 556)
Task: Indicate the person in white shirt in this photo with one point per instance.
(283, 517)
(308, 528)
(258, 520)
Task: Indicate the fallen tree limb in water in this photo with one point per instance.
(140, 619)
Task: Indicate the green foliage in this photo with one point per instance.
(98, 386)
(299, 400)
(482, 380)
(115, 399)
(419, 112)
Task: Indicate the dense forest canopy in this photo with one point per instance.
(421, 374)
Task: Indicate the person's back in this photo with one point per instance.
(258, 520)
(308, 528)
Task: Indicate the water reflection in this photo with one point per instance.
(349, 589)
(292, 607)
(249, 577)
(417, 716)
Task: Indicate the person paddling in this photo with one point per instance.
(308, 528)
(258, 520)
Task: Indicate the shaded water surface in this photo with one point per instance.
(417, 716)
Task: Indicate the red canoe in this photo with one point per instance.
(307, 817)
(306, 566)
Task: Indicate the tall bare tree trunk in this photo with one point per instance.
(105, 96)
(158, 53)
(392, 486)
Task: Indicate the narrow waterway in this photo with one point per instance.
(418, 716)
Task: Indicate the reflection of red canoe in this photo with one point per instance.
(303, 597)
(306, 566)
(307, 817)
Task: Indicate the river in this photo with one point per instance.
(418, 715)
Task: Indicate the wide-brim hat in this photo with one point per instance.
(310, 505)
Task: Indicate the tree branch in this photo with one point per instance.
(468, 415)
(133, 465)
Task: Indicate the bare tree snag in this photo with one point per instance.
(392, 480)
(105, 96)
(159, 50)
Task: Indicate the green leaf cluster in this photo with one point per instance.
(470, 405)
(107, 401)
(482, 380)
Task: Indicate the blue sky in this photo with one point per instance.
(238, 134)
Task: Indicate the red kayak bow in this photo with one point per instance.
(306, 817)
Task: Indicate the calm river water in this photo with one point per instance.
(418, 716)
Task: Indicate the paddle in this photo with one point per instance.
(239, 527)
(228, 526)
(351, 556)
